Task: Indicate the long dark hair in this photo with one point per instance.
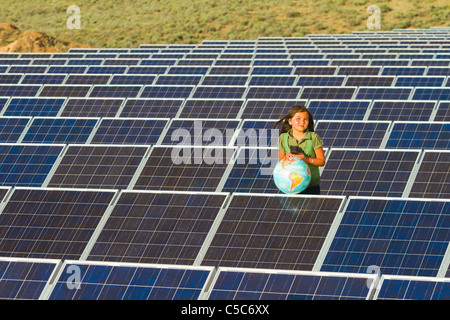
(291, 113)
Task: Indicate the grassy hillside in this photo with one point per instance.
(124, 23)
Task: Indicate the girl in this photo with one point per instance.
(298, 139)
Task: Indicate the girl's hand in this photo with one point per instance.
(299, 155)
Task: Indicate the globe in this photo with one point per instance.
(291, 175)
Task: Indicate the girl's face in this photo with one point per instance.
(299, 121)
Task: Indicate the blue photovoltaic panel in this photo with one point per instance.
(224, 80)
(129, 131)
(178, 80)
(88, 79)
(184, 168)
(327, 81)
(12, 128)
(59, 130)
(131, 282)
(272, 80)
(272, 231)
(366, 81)
(151, 108)
(360, 71)
(91, 107)
(147, 70)
(50, 224)
(400, 236)
(417, 288)
(307, 70)
(34, 107)
(258, 133)
(262, 92)
(433, 177)
(403, 71)
(64, 91)
(359, 134)
(443, 112)
(167, 92)
(97, 166)
(335, 93)
(419, 81)
(434, 71)
(188, 70)
(431, 94)
(420, 135)
(67, 69)
(248, 284)
(19, 90)
(200, 132)
(252, 171)
(133, 79)
(157, 227)
(339, 109)
(26, 165)
(10, 78)
(117, 91)
(268, 108)
(107, 70)
(272, 70)
(212, 108)
(401, 110)
(379, 172)
(23, 279)
(43, 79)
(216, 92)
(386, 93)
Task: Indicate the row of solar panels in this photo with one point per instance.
(225, 80)
(363, 172)
(255, 133)
(32, 279)
(298, 232)
(387, 110)
(227, 92)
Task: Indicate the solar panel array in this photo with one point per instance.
(145, 173)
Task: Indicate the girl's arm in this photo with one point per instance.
(318, 161)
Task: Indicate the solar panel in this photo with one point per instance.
(178, 168)
(272, 80)
(135, 131)
(18, 90)
(395, 110)
(43, 79)
(419, 81)
(413, 288)
(327, 93)
(361, 71)
(384, 93)
(254, 284)
(366, 81)
(229, 70)
(443, 111)
(25, 279)
(178, 80)
(268, 108)
(200, 132)
(92, 107)
(420, 135)
(224, 80)
(157, 227)
(116, 91)
(26, 164)
(400, 236)
(276, 232)
(327, 81)
(278, 92)
(272, 70)
(133, 79)
(146, 70)
(377, 172)
(211, 108)
(437, 71)
(318, 70)
(433, 178)
(11, 128)
(431, 94)
(64, 91)
(59, 130)
(97, 166)
(166, 92)
(403, 71)
(65, 69)
(219, 92)
(34, 107)
(339, 109)
(10, 78)
(124, 281)
(358, 134)
(87, 79)
(151, 108)
(50, 224)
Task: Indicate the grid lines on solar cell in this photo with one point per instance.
(51, 224)
(357, 134)
(268, 108)
(90, 107)
(338, 109)
(64, 91)
(384, 93)
(400, 288)
(337, 93)
(34, 107)
(106, 167)
(401, 110)
(26, 165)
(211, 108)
(184, 168)
(219, 92)
(420, 135)
(117, 91)
(252, 285)
(443, 112)
(433, 177)
(167, 92)
(151, 108)
(279, 92)
(131, 282)
(400, 236)
(11, 128)
(275, 232)
(24, 280)
(431, 94)
(157, 227)
(19, 90)
(129, 131)
(59, 130)
(367, 172)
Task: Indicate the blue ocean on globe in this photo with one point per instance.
(291, 175)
